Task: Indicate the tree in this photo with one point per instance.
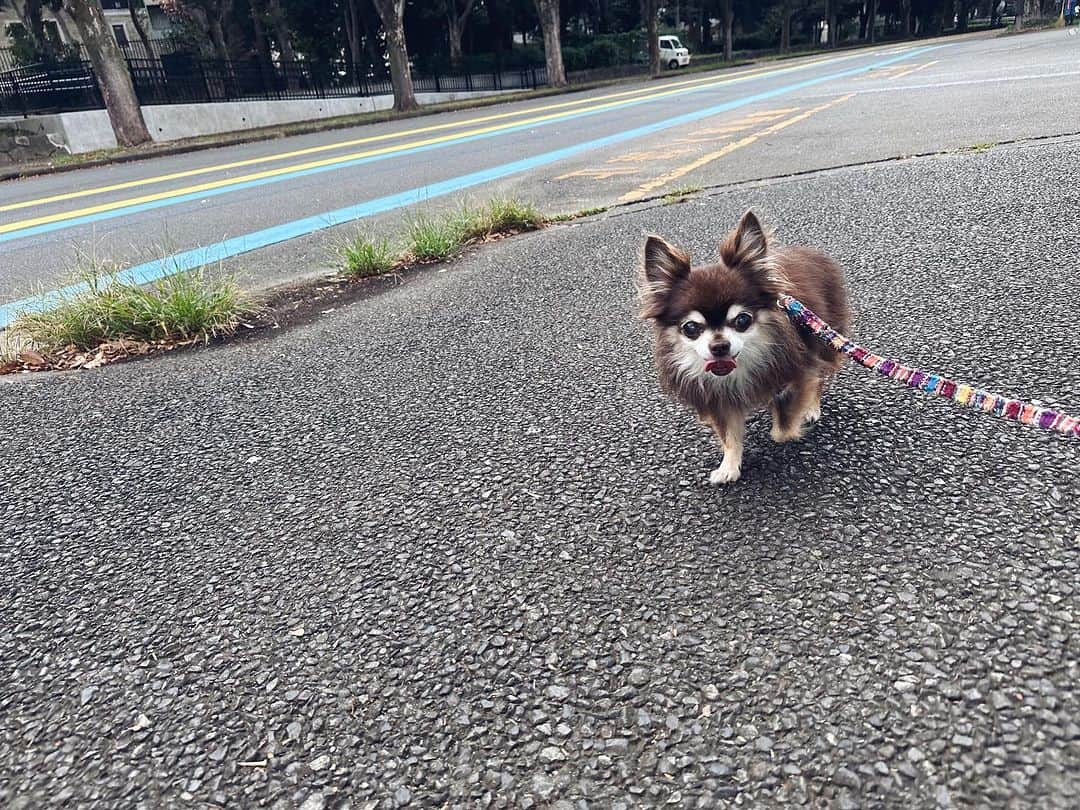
(871, 19)
(549, 22)
(112, 71)
(649, 10)
(962, 14)
(392, 13)
(353, 33)
(728, 14)
(136, 8)
(785, 26)
(211, 16)
(29, 12)
(456, 21)
(273, 17)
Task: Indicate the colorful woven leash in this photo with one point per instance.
(966, 395)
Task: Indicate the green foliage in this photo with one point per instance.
(442, 238)
(180, 307)
(434, 240)
(603, 53)
(574, 58)
(367, 256)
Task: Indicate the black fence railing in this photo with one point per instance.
(51, 89)
(183, 78)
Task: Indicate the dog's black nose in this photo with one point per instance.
(720, 348)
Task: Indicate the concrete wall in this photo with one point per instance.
(89, 131)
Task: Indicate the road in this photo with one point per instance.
(449, 545)
(565, 154)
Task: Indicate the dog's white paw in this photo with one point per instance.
(812, 415)
(724, 474)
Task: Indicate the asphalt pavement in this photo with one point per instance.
(450, 546)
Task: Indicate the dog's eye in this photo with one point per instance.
(742, 321)
(692, 329)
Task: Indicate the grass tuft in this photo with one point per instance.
(584, 212)
(180, 308)
(512, 216)
(680, 194)
(435, 240)
(439, 239)
(366, 256)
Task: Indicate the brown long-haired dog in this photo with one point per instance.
(724, 348)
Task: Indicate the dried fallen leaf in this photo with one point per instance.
(31, 358)
(10, 367)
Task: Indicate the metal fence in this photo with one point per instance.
(182, 78)
(56, 88)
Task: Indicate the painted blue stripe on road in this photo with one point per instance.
(187, 260)
(195, 196)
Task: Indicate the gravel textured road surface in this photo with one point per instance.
(450, 545)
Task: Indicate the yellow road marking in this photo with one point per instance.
(913, 70)
(705, 81)
(770, 113)
(710, 135)
(602, 173)
(880, 73)
(268, 173)
(358, 141)
(645, 188)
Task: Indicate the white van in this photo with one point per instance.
(672, 52)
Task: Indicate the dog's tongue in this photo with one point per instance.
(722, 367)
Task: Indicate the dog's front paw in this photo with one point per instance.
(724, 474)
(792, 434)
(812, 415)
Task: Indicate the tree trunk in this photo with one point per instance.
(871, 19)
(134, 7)
(962, 16)
(549, 22)
(456, 24)
(455, 33)
(217, 37)
(112, 71)
(370, 21)
(262, 47)
(729, 23)
(62, 20)
(352, 35)
(392, 13)
(1019, 24)
(282, 34)
(832, 22)
(501, 33)
(785, 27)
(649, 10)
(905, 17)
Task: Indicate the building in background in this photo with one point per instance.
(62, 32)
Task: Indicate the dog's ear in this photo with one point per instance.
(664, 263)
(746, 249)
(665, 266)
(748, 244)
